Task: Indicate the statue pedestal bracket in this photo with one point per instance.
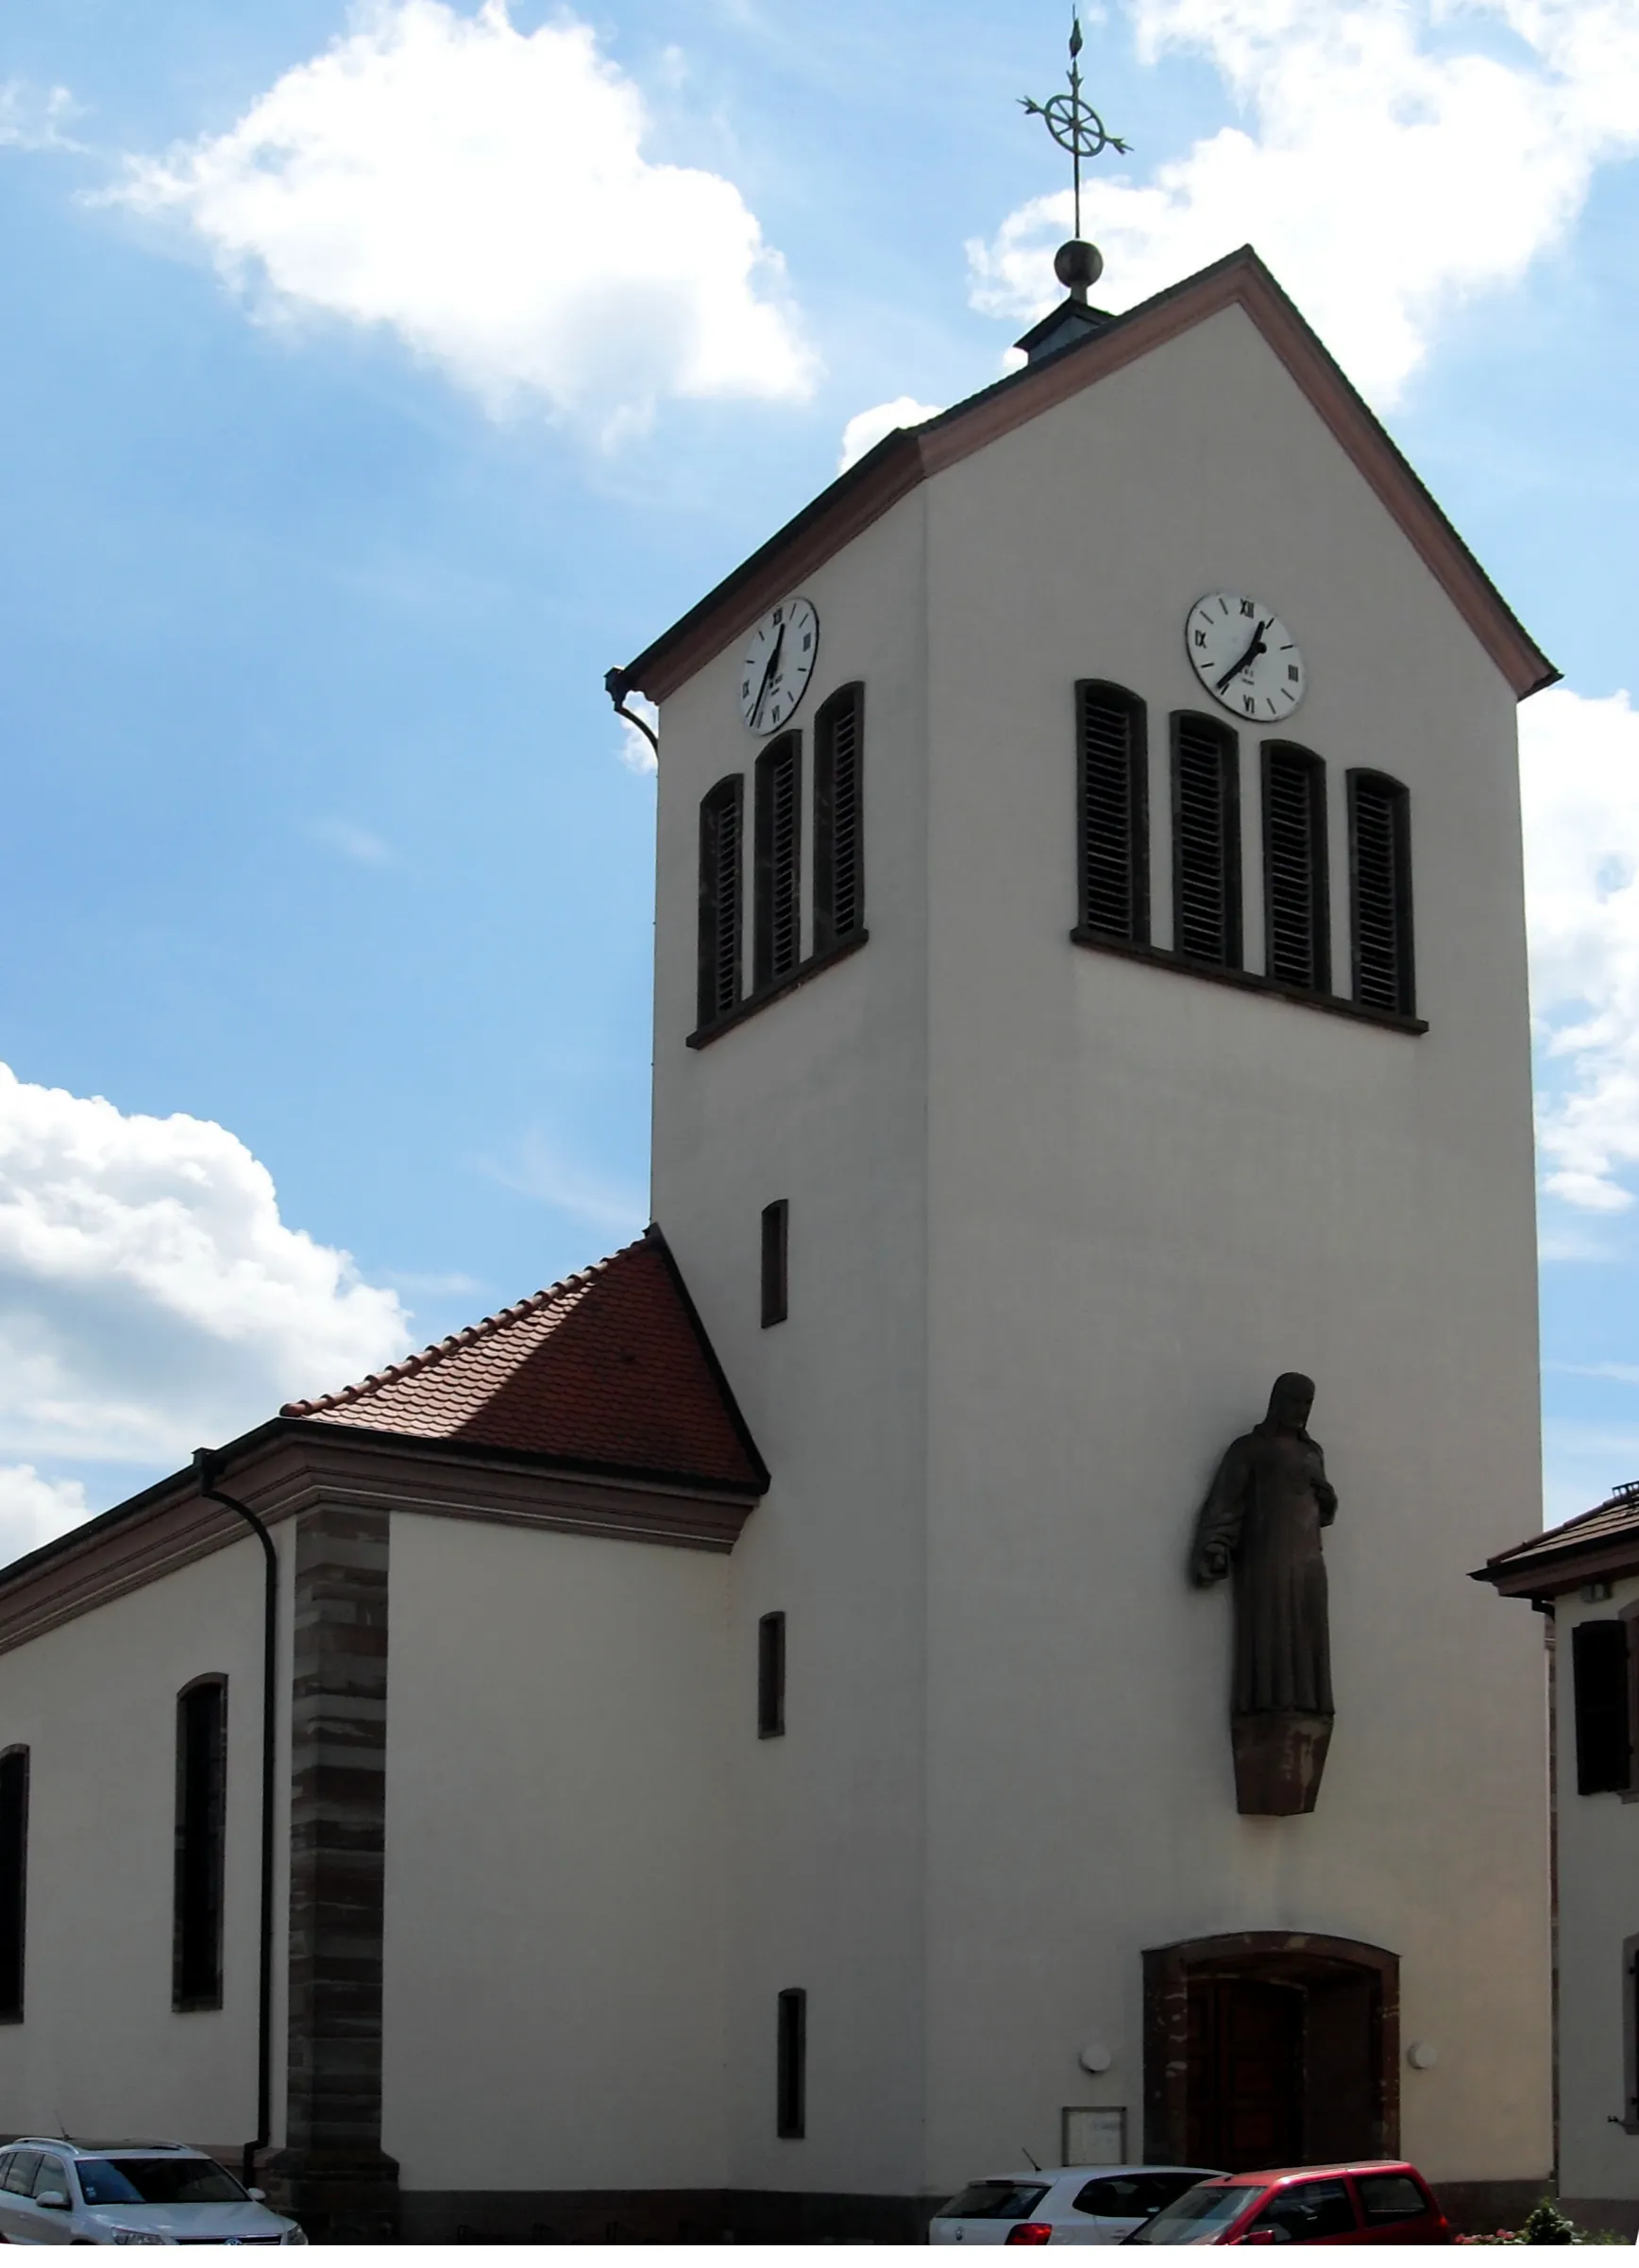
(1279, 1757)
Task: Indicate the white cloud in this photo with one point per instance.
(637, 752)
(862, 434)
(1580, 785)
(32, 120)
(33, 1510)
(483, 192)
(354, 842)
(151, 1296)
(1398, 157)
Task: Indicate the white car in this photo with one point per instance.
(61, 2193)
(1061, 2205)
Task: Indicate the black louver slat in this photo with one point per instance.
(1294, 877)
(1114, 837)
(1203, 808)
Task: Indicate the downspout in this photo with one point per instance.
(205, 1465)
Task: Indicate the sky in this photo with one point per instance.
(375, 376)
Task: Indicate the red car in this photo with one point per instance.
(1381, 2201)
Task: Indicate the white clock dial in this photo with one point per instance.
(1245, 656)
(778, 662)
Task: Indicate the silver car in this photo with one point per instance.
(62, 2193)
(1061, 2205)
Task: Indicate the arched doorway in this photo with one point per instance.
(1271, 2048)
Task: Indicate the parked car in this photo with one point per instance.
(1381, 2201)
(1059, 2205)
(61, 2193)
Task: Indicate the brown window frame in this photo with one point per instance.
(771, 1676)
(777, 1261)
(1126, 872)
(1313, 918)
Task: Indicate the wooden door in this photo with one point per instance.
(1245, 2100)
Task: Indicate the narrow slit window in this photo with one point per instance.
(776, 1242)
(771, 1677)
(1380, 861)
(1600, 1682)
(776, 940)
(791, 2072)
(720, 826)
(1113, 816)
(13, 1880)
(1205, 842)
(201, 1843)
(838, 828)
(1297, 904)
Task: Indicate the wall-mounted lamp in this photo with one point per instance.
(1422, 2054)
(1096, 2058)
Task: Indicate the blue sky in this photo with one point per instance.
(377, 376)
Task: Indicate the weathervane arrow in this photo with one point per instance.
(1073, 122)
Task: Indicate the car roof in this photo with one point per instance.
(1092, 2173)
(85, 2149)
(1340, 2165)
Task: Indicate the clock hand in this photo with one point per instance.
(1250, 655)
(769, 674)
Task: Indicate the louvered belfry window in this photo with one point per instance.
(1113, 815)
(1205, 842)
(720, 824)
(1380, 862)
(776, 930)
(13, 1879)
(838, 818)
(1296, 908)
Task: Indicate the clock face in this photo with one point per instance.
(778, 662)
(1245, 656)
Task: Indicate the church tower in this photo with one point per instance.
(1089, 983)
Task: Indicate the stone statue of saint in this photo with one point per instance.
(1262, 1520)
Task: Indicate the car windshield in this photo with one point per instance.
(1197, 2217)
(995, 2201)
(157, 2182)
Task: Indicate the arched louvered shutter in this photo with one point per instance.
(1113, 812)
(1205, 842)
(720, 826)
(1381, 864)
(1296, 905)
(776, 926)
(838, 818)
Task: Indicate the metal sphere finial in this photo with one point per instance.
(1074, 122)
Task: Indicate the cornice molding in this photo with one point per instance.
(295, 1465)
(901, 461)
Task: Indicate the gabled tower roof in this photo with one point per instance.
(611, 1368)
(908, 457)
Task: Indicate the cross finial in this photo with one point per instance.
(1073, 122)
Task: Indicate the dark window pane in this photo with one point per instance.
(50, 2175)
(1132, 2196)
(838, 818)
(776, 1218)
(1380, 855)
(791, 2083)
(201, 1794)
(720, 899)
(1113, 827)
(1389, 2197)
(1205, 842)
(174, 2179)
(1296, 900)
(776, 940)
(1192, 2218)
(13, 1877)
(20, 2172)
(994, 2201)
(1308, 2211)
(770, 1677)
(1599, 1679)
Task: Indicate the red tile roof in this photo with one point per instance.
(610, 1369)
(1603, 1542)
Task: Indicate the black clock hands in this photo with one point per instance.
(770, 673)
(1247, 660)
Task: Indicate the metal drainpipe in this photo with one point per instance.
(205, 1469)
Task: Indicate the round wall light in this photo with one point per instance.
(1096, 2058)
(1422, 2054)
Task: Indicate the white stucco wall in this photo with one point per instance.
(1148, 1194)
(1598, 1865)
(553, 1949)
(820, 1100)
(100, 2049)
(1056, 1222)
